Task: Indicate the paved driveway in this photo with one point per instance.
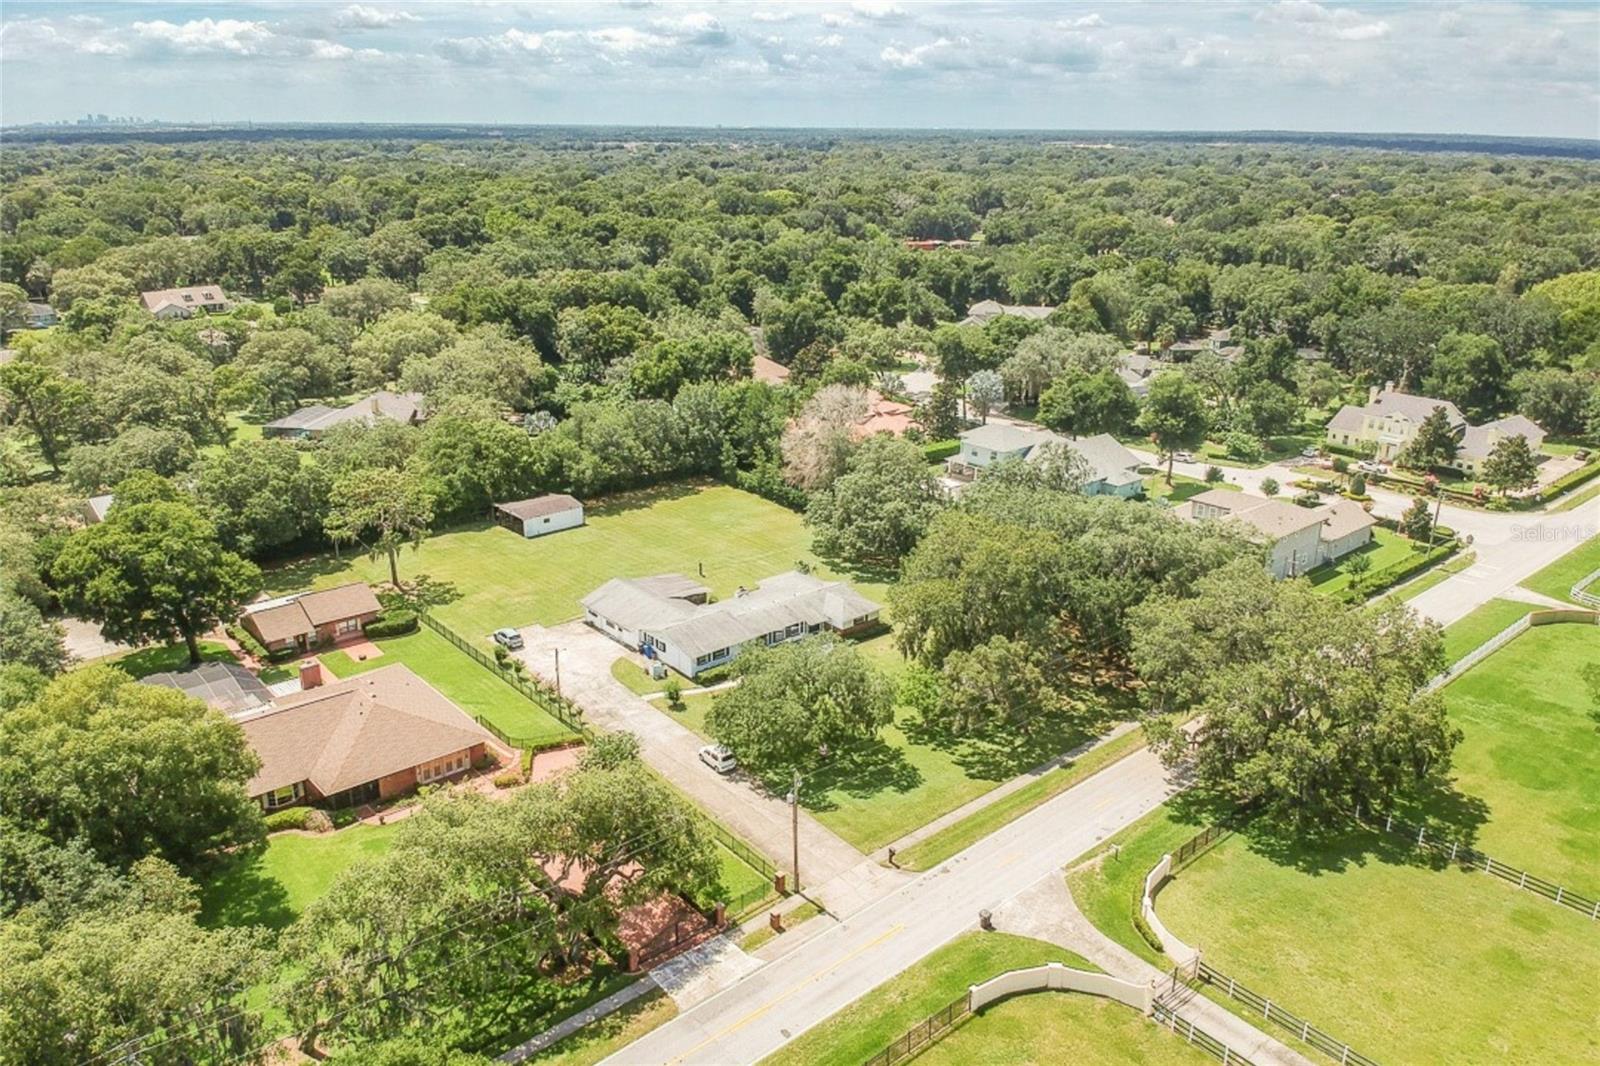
(763, 820)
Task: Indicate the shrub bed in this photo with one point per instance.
(307, 818)
(392, 623)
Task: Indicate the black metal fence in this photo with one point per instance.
(928, 1031)
(1165, 1015)
(560, 708)
(1329, 1045)
(1472, 859)
(1191, 848)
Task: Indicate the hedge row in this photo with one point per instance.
(1567, 482)
(769, 486)
(940, 450)
(1369, 585)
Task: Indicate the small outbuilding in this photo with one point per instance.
(540, 515)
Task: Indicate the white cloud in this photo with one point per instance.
(696, 28)
(368, 17)
(922, 55)
(834, 20)
(831, 40)
(39, 37)
(767, 14)
(879, 10)
(1087, 22)
(198, 36)
(1341, 23)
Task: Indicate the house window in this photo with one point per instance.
(347, 625)
(282, 797)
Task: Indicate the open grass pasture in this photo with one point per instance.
(1529, 761)
(469, 686)
(1405, 962)
(1066, 1027)
(500, 579)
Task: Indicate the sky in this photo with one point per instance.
(1529, 69)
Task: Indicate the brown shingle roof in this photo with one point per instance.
(284, 622)
(357, 730)
(339, 602)
(539, 506)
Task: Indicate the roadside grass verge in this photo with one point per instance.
(604, 1037)
(956, 838)
(1471, 630)
(1557, 579)
(800, 915)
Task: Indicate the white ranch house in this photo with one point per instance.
(671, 617)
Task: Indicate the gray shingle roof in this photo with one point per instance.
(539, 506)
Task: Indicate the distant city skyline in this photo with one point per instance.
(1471, 68)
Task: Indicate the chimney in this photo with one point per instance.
(1372, 394)
(374, 402)
(310, 674)
(1388, 386)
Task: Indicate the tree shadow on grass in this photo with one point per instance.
(242, 893)
(644, 499)
(1003, 752)
(859, 770)
(1447, 814)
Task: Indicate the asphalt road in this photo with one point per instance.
(783, 999)
(789, 995)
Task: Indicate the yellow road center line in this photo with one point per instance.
(887, 934)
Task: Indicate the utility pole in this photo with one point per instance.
(558, 671)
(794, 811)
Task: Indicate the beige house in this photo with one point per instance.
(1390, 419)
(181, 303)
(1298, 539)
(309, 423)
(309, 619)
(359, 740)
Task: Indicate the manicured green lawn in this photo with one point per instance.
(867, 1025)
(632, 675)
(1064, 1027)
(875, 794)
(272, 887)
(1406, 963)
(156, 660)
(1578, 497)
(502, 579)
(1466, 633)
(1557, 579)
(1386, 549)
(738, 876)
(473, 688)
(1274, 449)
(1531, 754)
(1182, 487)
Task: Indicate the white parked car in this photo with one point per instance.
(1184, 457)
(509, 639)
(718, 758)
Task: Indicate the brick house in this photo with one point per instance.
(310, 619)
(359, 740)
